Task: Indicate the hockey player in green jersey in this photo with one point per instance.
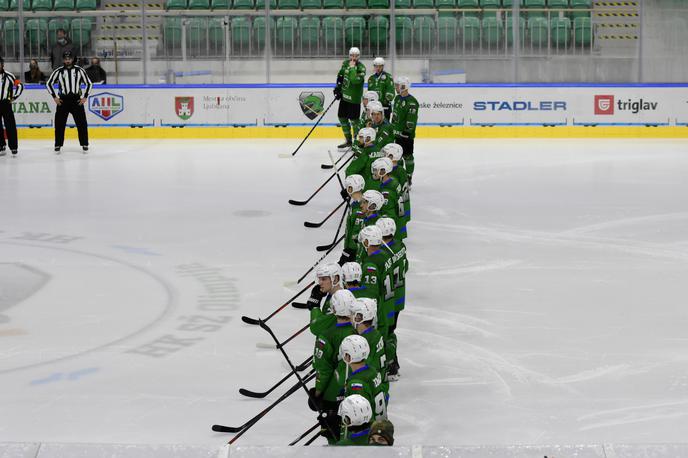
(329, 279)
(394, 286)
(356, 414)
(364, 120)
(404, 120)
(353, 186)
(384, 131)
(390, 189)
(373, 263)
(371, 204)
(352, 273)
(363, 314)
(366, 152)
(382, 83)
(395, 152)
(329, 381)
(361, 378)
(349, 90)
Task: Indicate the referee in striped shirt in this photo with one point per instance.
(10, 89)
(70, 99)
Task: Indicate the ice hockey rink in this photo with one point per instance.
(547, 301)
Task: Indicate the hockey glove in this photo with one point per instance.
(337, 93)
(314, 401)
(313, 302)
(344, 194)
(347, 256)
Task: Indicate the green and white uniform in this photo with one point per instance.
(394, 288)
(352, 79)
(328, 380)
(405, 120)
(383, 84)
(368, 382)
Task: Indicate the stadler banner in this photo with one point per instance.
(303, 105)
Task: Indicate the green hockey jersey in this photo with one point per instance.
(328, 380)
(405, 116)
(352, 81)
(383, 84)
(368, 382)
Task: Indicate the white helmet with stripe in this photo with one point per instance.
(368, 134)
(370, 234)
(355, 410)
(393, 151)
(342, 301)
(381, 166)
(365, 307)
(352, 272)
(387, 226)
(375, 200)
(355, 347)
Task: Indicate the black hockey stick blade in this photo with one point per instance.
(298, 202)
(249, 320)
(312, 225)
(227, 429)
(262, 394)
(299, 305)
(316, 225)
(326, 166)
(324, 247)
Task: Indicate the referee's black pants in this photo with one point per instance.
(70, 105)
(7, 118)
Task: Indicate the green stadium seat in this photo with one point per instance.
(36, 34)
(216, 35)
(510, 30)
(288, 4)
(242, 4)
(285, 33)
(331, 4)
(378, 4)
(402, 3)
(311, 4)
(86, 5)
(196, 35)
(172, 32)
(447, 32)
(13, 5)
(423, 3)
(538, 31)
(404, 32)
(240, 28)
(53, 26)
(4, 6)
(468, 5)
(558, 4)
(424, 32)
(490, 4)
(81, 31)
(41, 5)
(259, 32)
(260, 4)
(175, 4)
(582, 31)
(581, 5)
(378, 33)
(199, 5)
(529, 5)
(309, 33)
(445, 5)
(354, 29)
(355, 4)
(219, 4)
(493, 30)
(469, 29)
(64, 5)
(333, 33)
(560, 32)
(10, 45)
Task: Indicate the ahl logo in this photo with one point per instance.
(604, 104)
(184, 107)
(105, 105)
(312, 103)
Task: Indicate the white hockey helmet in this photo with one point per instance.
(368, 134)
(381, 166)
(341, 302)
(352, 272)
(365, 307)
(403, 81)
(354, 51)
(331, 270)
(354, 183)
(356, 347)
(370, 234)
(387, 226)
(393, 151)
(375, 107)
(355, 410)
(378, 61)
(375, 199)
(371, 96)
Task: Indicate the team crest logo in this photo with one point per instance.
(184, 107)
(105, 105)
(604, 104)
(312, 103)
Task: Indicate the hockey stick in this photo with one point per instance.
(260, 395)
(311, 398)
(339, 228)
(329, 153)
(255, 321)
(312, 439)
(304, 202)
(246, 426)
(284, 155)
(337, 242)
(330, 166)
(300, 438)
(315, 225)
(280, 345)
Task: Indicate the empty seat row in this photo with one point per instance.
(43, 32)
(50, 5)
(362, 4)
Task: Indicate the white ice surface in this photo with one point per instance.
(547, 301)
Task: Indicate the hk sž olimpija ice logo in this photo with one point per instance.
(105, 105)
(604, 104)
(184, 107)
(312, 104)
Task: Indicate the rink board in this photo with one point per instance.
(446, 111)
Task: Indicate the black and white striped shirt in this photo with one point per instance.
(7, 88)
(69, 81)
